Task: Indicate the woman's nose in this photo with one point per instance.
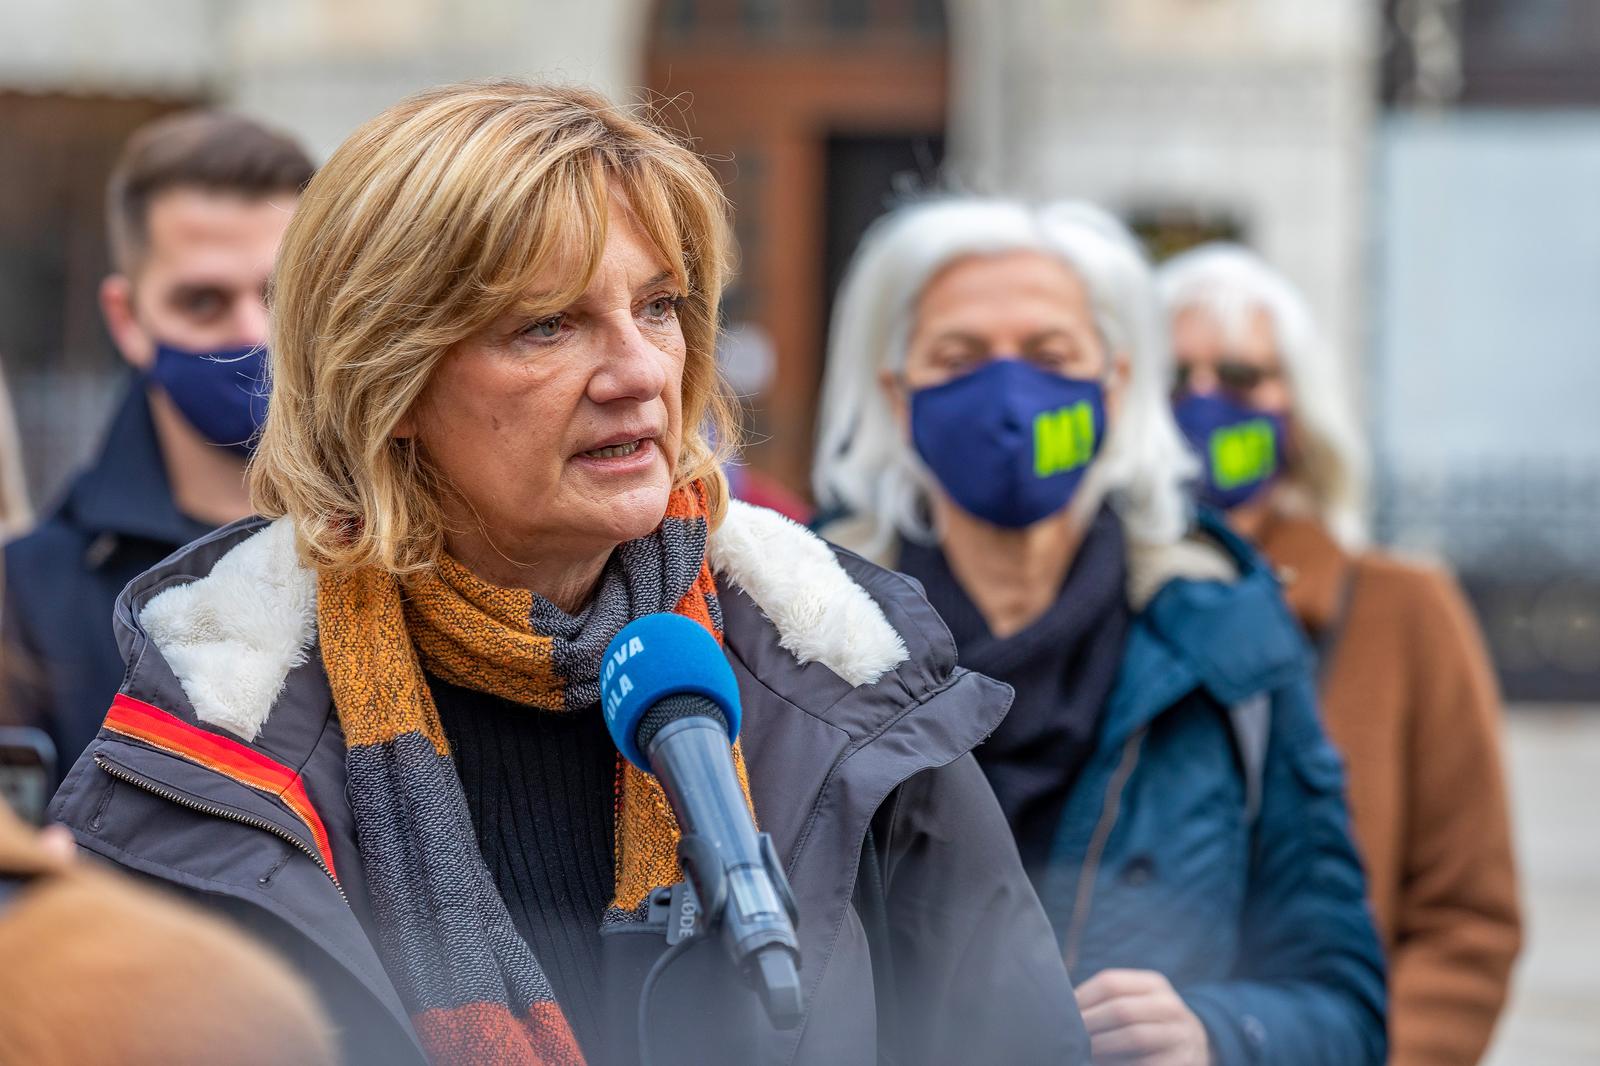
(1202, 379)
(633, 368)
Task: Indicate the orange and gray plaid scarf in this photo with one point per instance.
(473, 987)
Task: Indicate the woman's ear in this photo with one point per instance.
(1117, 383)
(894, 394)
(406, 428)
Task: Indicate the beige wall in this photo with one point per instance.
(315, 67)
(135, 47)
(1258, 109)
(320, 67)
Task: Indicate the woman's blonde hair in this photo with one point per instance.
(430, 222)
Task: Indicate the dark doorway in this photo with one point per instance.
(809, 111)
(866, 175)
(56, 151)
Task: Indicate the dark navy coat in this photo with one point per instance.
(62, 579)
(938, 952)
(1254, 908)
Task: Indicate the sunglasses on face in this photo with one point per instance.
(1234, 376)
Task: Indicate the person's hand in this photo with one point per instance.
(57, 842)
(1135, 1017)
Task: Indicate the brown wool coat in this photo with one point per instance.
(1409, 697)
(97, 969)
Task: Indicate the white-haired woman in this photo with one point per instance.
(1408, 692)
(996, 425)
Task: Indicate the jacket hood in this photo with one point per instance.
(233, 614)
(1216, 621)
(1237, 635)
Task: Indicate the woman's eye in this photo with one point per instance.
(545, 329)
(958, 359)
(662, 307)
(203, 304)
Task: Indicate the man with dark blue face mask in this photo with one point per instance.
(197, 206)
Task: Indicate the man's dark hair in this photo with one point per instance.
(210, 150)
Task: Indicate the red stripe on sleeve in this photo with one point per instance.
(236, 761)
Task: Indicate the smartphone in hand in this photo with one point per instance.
(27, 771)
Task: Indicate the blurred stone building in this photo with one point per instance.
(1391, 155)
(1240, 117)
(1248, 119)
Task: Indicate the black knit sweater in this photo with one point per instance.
(541, 790)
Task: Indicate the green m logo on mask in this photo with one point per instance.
(1063, 439)
(1243, 454)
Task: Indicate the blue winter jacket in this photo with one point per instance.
(1253, 906)
(59, 661)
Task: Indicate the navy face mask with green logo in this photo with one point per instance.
(1009, 442)
(1242, 448)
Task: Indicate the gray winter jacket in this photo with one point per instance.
(220, 771)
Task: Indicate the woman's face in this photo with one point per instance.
(1006, 444)
(1245, 369)
(559, 433)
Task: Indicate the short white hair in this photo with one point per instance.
(1328, 472)
(865, 467)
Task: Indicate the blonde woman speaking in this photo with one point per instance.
(369, 727)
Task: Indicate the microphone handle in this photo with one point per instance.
(740, 885)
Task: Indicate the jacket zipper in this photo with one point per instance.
(220, 812)
(1097, 847)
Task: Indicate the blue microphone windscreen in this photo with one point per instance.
(657, 656)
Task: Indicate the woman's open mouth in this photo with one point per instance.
(615, 451)
(620, 457)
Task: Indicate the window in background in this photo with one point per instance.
(1487, 242)
(1167, 231)
(56, 151)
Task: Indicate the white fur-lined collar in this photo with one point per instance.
(820, 614)
(233, 636)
